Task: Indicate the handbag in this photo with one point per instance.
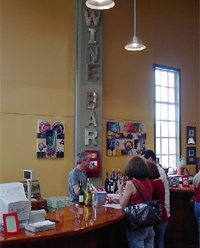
(142, 215)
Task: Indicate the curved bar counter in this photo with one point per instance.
(97, 227)
(76, 226)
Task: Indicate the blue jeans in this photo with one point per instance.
(197, 214)
(143, 238)
(160, 240)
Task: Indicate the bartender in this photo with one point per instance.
(78, 174)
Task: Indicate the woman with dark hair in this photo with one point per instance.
(159, 194)
(137, 170)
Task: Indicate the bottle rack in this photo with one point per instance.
(94, 167)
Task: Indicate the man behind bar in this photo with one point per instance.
(78, 174)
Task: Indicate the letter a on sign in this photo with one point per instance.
(91, 119)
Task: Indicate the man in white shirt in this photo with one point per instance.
(150, 155)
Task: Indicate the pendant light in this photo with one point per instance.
(135, 45)
(100, 4)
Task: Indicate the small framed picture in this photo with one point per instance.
(191, 135)
(185, 181)
(11, 223)
(191, 155)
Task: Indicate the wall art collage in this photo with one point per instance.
(50, 139)
(125, 138)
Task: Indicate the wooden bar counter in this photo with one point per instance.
(182, 231)
(76, 226)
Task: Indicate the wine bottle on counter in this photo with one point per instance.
(106, 183)
(88, 198)
(110, 185)
(114, 181)
(81, 194)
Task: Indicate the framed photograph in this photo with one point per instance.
(185, 181)
(191, 155)
(35, 188)
(11, 224)
(191, 135)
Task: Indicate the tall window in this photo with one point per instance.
(167, 115)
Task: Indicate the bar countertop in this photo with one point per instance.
(70, 220)
(182, 189)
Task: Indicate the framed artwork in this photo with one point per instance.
(191, 135)
(191, 155)
(50, 139)
(125, 138)
(11, 223)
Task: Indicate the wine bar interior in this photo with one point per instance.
(88, 89)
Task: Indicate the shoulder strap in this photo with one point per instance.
(155, 194)
(139, 190)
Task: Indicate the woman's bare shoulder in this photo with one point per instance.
(130, 184)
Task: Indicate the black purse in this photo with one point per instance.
(144, 214)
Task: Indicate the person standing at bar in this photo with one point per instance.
(137, 169)
(159, 194)
(150, 155)
(78, 174)
(196, 184)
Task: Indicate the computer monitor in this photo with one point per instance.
(13, 199)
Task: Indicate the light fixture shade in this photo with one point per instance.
(100, 4)
(135, 45)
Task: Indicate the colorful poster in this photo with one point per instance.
(124, 138)
(50, 139)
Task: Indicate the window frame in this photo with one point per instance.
(178, 109)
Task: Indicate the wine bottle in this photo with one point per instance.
(114, 180)
(106, 184)
(110, 188)
(81, 194)
(88, 199)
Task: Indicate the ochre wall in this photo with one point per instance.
(170, 31)
(37, 82)
(37, 77)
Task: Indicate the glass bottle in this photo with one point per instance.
(81, 194)
(110, 186)
(106, 183)
(88, 199)
(114, 180)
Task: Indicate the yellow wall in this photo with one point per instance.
(170, 31)
(37, 82)
(37, 77)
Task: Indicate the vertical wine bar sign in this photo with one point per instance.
(89, 85)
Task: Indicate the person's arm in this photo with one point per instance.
(163, 177)
(76, 188)
(128, 191)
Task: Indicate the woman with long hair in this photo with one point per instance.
(137, 170)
